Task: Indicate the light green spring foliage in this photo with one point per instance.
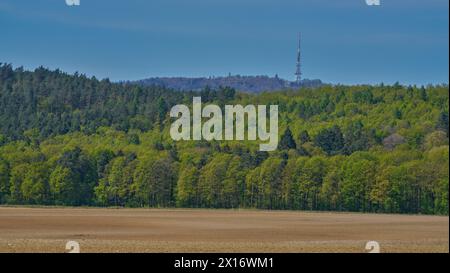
(344, 148)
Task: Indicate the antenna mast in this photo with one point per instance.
(298, 72)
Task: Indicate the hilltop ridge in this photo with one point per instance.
(249, 84)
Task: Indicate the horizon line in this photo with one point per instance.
(121, 81)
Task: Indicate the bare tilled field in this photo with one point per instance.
(155, 230)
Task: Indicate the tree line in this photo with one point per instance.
(72, 140)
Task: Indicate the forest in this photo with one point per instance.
(73, 140)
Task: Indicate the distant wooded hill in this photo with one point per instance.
(250, 84)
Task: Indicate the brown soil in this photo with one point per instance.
(164, 230)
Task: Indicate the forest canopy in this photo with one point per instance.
(79, 141)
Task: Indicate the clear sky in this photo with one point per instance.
(344, 41)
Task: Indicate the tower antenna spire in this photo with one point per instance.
(298, 72)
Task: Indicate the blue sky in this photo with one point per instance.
(344, 41)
